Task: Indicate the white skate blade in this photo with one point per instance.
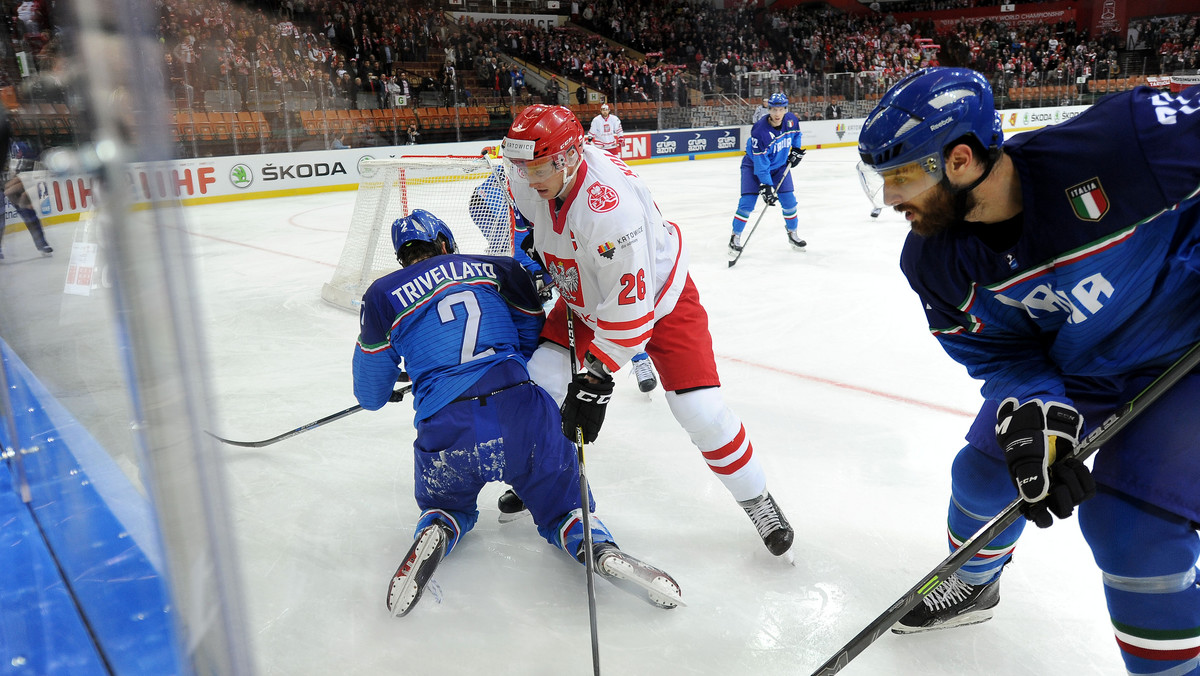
(660, 590)
(511, 517)
(968, 619)
(405, 589)
(789, 556)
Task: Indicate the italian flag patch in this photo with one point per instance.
(1088, 200)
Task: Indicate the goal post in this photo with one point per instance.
(468, 193)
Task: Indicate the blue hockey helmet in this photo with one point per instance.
(902, 140)
(777, 100)
(420, 226)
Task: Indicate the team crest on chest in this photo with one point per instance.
(1088, 200)
(602, 198)
(565, 272)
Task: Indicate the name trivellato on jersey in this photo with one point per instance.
(452, 271)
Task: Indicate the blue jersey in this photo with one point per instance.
(493, 212)
(451, 318)
(1097, 279)
(767, 148)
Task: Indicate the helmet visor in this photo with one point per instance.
(525, 173)
(897, 185)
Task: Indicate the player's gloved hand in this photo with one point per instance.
(398, 394)
(768, 194)
(587, 398)
(1038, 439)
(794, 156)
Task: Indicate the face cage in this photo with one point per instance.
(897, 185)
(522, 173)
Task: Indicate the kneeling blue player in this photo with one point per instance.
(464, 327)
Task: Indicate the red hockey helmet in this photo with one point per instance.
(543, 140)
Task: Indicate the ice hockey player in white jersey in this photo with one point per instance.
(622, 272)
(606, 132)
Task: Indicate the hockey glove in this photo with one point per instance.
(1038, 439)
(768, 194)
(794, 156)
(585, 404)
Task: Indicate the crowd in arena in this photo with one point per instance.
(628, 50)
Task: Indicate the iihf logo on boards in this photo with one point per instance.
(241, 176)
(1088, 200)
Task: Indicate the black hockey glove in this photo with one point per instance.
(768, 194)
(1037, 440)
(794, 156)
(585, 404)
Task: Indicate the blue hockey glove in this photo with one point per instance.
(587, 399)
(1038, 439)
(768, 194)
(794, 156)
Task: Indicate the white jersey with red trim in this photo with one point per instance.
(606, 133)
(618, 264)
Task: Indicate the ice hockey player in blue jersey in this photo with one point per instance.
(1062, 269)
(464, 327)
(20, 159)
(772, 149)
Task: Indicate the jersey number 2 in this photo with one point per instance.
(470, 328)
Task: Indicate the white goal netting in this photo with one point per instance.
(468, 193)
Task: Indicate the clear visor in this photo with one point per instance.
(897, 185)
(523, 173)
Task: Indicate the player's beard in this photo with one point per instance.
(940, 211)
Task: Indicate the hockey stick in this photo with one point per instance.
(590, 556)
(299, 430)
(766, 208)
(1091, 443)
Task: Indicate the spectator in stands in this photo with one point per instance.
(581, 95)
(760, 112)
(413, 134)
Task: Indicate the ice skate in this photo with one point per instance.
(636, 577)
(511, 507)
(644, 372)
(875, 213)
(46, 250)
(419, 564)
(735, 244)
(953, 603)
(772, 525)
(794, 239)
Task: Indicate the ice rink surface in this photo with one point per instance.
(852, 407)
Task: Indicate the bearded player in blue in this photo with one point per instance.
(464, 327)
(773, 148)
(1062, 268)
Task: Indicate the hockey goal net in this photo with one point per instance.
(466, 192)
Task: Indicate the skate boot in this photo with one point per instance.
(794, 239)
(875, 213)
(422, 560)
(644, 372)
(735, 243)
(772, 526)
(636, 577)
(953, 603)
(46, 250)
(511, 506)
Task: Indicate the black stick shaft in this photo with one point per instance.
(299, 430)
(1092, 443)
(589, 558)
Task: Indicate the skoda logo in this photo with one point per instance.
(241, 176)
(366, 172)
